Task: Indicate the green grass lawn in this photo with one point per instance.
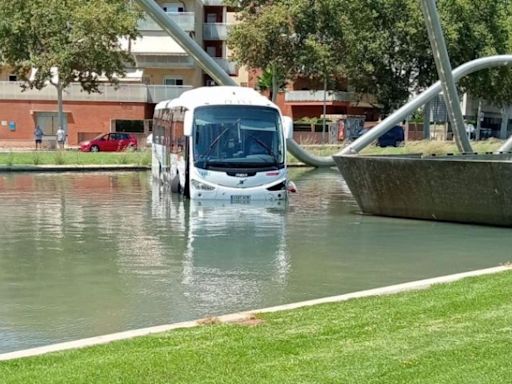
(455, 333)
(143, 157)
(72, 157)
(420, 146)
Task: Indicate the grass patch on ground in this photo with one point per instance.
(455, 333)
(143, 157)
(12, 158)
(421, 146)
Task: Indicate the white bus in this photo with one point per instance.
(224, 143)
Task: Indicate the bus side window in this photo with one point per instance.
(178, 136)
(157, 131)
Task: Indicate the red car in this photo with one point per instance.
(109, 142)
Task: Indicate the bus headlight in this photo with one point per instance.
(201, 186)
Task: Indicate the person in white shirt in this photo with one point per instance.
(61, 137)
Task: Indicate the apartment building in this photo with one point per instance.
(163, 70)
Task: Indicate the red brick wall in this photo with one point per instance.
(83, 117)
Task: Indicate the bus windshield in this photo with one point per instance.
(237, 136)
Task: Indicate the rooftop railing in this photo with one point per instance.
(318, 96)
(215, 31)
(230, 67)
(213, 2)
(158, 93)
(140, 93)
(185, 20)
(164, 61)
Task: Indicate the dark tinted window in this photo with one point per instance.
(135, 126)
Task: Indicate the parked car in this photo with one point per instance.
(109, 142)
(392, 138)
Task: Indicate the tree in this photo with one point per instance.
(321, 44)
(390, 54)
(263, 39)
(380, 46)
(267, 80)
(58, 42)
(289, 38)
(480, 28)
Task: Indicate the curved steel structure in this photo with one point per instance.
(411, 106)
(217, 73)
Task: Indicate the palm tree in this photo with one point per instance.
(273, 81)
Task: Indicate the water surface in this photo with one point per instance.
(85, 254)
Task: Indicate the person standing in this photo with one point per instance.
(38, 136)
(61, 137)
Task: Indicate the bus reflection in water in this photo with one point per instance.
(219, 270)
(220, 273)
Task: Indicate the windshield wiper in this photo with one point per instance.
(266, 147)
(212, 145)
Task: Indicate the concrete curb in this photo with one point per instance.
(73, 168)
(242, 316)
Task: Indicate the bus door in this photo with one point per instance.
(178, 149)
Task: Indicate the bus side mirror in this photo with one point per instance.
(287, 127)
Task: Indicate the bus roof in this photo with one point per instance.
(220, 95)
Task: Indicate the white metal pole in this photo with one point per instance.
(444, 69)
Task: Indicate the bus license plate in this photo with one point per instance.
(240, 199)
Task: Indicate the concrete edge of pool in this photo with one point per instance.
(91, 168)
(73, 168)
(245, 315)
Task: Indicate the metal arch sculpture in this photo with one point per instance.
(424, 97)
(218, 74)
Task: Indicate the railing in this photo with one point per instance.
(185, 20)
(213, 2)
(164, 61)
(318, 96)
(158, 93)
(141, 93)
(215, 31)
(230, 67)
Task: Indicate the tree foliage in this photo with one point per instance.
(79, 37)
(478, 28)
(381, 46)
(263, 41)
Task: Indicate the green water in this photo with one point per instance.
(85, 254)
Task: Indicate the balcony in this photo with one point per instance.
(215, 31)
(151, 45)
(158, 93)
(231, 68)
(318, 96)
(185, 21)
(213, 2)
(135, 93)
(164, 61)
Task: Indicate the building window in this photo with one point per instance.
(13, 78)
(131, 126)
(211, 50)
(173, 81)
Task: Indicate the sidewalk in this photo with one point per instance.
(28, 145)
